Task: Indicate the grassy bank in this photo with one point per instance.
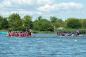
(3, 30)
(49, 32)
(82, 31)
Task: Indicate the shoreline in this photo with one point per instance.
(82, 31)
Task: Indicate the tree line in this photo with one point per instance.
(15, 23)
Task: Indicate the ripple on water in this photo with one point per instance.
(42, 47)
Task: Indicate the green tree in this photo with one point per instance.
(3, 23)
(39, 18)
(73, 23)
(15, 22)
(83, 23)
(53, 19)
(27, 22)
(56, 22)
(42, 25)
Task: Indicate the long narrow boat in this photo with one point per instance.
(19, 34)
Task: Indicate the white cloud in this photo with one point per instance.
(64, 6)
(35, 7)
(5, 4)
(70, 5)
(21, 12)
(14, 6)
(42, 2)
(46, 7)
(10, 3)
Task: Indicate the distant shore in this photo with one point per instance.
(82, 31)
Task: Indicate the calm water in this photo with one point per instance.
(42, 45)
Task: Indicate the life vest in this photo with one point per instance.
(30, 34)
(9, 34)
(16, 34)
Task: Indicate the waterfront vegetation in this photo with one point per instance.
(41, 25)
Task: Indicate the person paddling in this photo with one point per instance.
(30, 32)
(78, 32)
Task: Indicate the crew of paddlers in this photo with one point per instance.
(76, 33)
(19, 34)
(26, 33)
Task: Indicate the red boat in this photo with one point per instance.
(19, 34)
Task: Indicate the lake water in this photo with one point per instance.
(42, 45)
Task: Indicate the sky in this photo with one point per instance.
(46, 8)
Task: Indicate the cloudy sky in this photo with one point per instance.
(45, 8)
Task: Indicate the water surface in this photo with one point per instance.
(42, 45)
